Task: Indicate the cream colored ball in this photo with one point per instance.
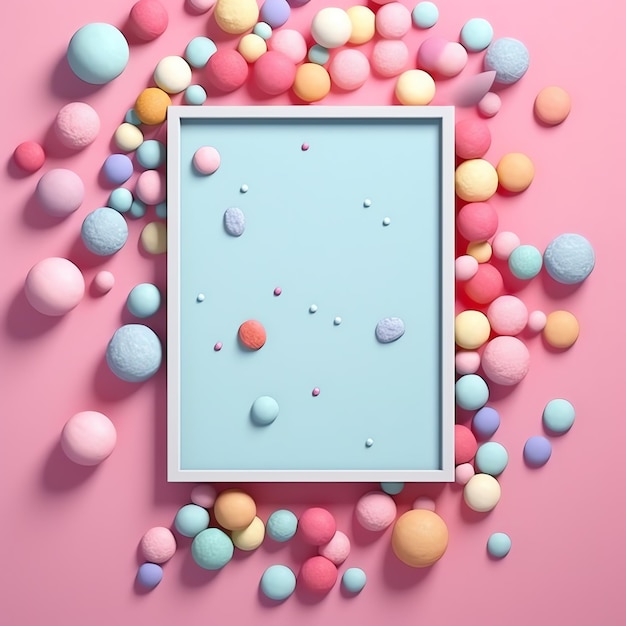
(250, 537)
(471, 329)
(476, 180)
(235, 17)
(482, 492)
(415, 88)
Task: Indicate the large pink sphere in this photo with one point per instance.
(349, 69)
(54, 286)
(317, 526)
(390, 57)
(318, 574)
(375, 510)
(227, 70)
(505, 360)
(60, 192)
(158, 545)
(88, 438)
(77, 125)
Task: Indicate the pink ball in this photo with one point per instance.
(375, 510)
(489, 105)
(505, 360)
(337, 549)
(349, 69)
(463, 473)
(201, 6)
(206, 160)
(486, 285)
(290, 42)
(227, 70)
(274, 72)
(104, 281)
(466, 362)
(54, 286)
(204, 495)
(60, 192)
(537, 321)
(424, 502)
(318, 574)
(507, 315)
(472, 138)
(150, 187)
(158, 545)
(317, 526)
(465, 444)
(465, 267)
(148, 19)
(88, 438)
(393, 21)
(29, 156)
(504, 243)
(446, 58)
(390, 57)
(77, 125)
(477, 221)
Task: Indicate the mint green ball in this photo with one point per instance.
(212, 549)
(471, 392)
(525, 262)
(558, 416)
(491, 458)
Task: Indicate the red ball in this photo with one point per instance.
(227, 70)
(29, 156)
(148, 19)
(486, 285)
(477, 221)
(317, 526)
(472, 138)
(465, 445)
(318, 574)
(274, 72)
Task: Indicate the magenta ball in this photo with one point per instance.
(472, 138)
(349, 69)
(29, 156)
(158, 545)
(318, 574)
(317, 526)
(54, 286)
(477, 221)
(148, 19)
(505, 360)
(393, 21)
(274, 72)
(375, 511)
(150, 187)
(390, 57)
(88, 438)
(227, 70)
(77, 125)
(60, 192)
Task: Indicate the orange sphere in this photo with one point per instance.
(151, 106)
(552, 105)
(252, 335)
(419, 538)
(561, 329)
(515, 172)
(234, 509)
(312, 82)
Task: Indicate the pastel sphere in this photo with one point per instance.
(331, 27)
(485, 422)
(117, 168)
(278, 582)
(525, 262)
(274, 73)
(465, 445)
(234, 509)
(482, 493)
(477, 221)
(558, 416)
(465, 267)
(537, 321)
(537, 451)
(390, 57)
(275, 12)
(191, 519)
(148, 19)
(206, 160)
(489, 104)
(204, 495)
(97, 53)
(199, 50)
(471, 329)
(201, 6)
(337, 549)
(151, 106)
(415, 88)
(252, 47)
(318, 54)
(264, 410)
(250, 537)
(466, 362)
(569, 258)
(507, 315)
(172, 74)
(515, 172)
(425, 14)
(476, 180)
(227, 70)
(424, 502)
(134, 353)
(195, 95)
(88, 438)
(504, 243)
(104, 231)
(419, 538)
(509, 58)
(104, 281)
(392, 488)
(282, 525)
(498, 545)
(312, 82)
(349, 69)
(463, 473)
(290, 42)
(317, 526)
(471, 392)
(77, 125)
(318, 574)
(491, 458)
(158, 545)
(476, 34)
(480, 250)
(151, 154)
(150, 187)
(144, 300)
(505, 360)
(127, 137)
(60, 192)
(29, 156)
(442, 57)
(262, 30)
(486, 285)
(375, 511)
(393, 21)
(363, 24)
(212, 549)
(552, 105)
(149, 575)
(561, 329)
(54, 286)
(235, 17)
(353, 579)
(472, 138)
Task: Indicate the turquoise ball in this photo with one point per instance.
(354, 579)
(195, 95)
(491, 458)
(509, 58)
(392, 488)
(264, 410)
(134, 353)
(137, 209)
(471, 392)
(191, 519)
(144, 300)
(121, 199)
(278, 582)
(425, 14)
(476, 34)
(212, 549)
(318, 54)
(151, 154)
(161, 210)
(199, 50)
(558, 416)
(104, 231)
(499, 545)
(525, 262)
(281, 525)
(263, 30)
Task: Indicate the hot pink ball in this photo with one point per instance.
(393, 21)
(486, 285)
(148, 19)
(60, 192)
(104, 281)
(337, 549)
(537, 321)
(507, 315)
(375, 511)
(88, 438)
(77, 125)
(489, 104)
(477, 221)
(317, 526)
(390, 57)
(442, 57)
(505, 360)
(466, 362)
(274, 72)
(472, 138)
(465, 444)
(504, 243)
(318, 574)
(290, 42)
(227, 70)
(349, 69)
(150, 187)
(29, 156)
(206, 160)
(204, 495)
(465, 267)
(54, 286)
(158, 545)
(463, 473)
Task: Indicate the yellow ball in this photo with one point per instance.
(419, 538)
(415, 88)
(363, 24)
(482, 492)
(476, 180)
(154, 238)
(471, 329)
(515, 172)
(128, 137)
(251, 537)
(234, 509)
(561, 329)
(251, 47)
(151, 106)
(312, 82)
(235, 17)
(480, 250)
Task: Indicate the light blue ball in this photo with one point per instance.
(161, 210)
(137, 209)
(392, 489)
(509, 58)
(476, 34)
(199, 50)
(278, 582)
(499, 545)
(525, 262)
(144, 300)
(191, 519)
(195, 95)
(212, 549)
(150, 154)
(425, 14)
(104, 231)
(471, 392)
(318, 54)
(132, 118)
(263, 30)
(569, 258)
(354, 579)
(121, 199)
(264, 410)
(558, 416)
(281, 525)
(491, 458)
(134, 353)
(98, 53)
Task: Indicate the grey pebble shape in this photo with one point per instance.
(389, 329)
(234, 221)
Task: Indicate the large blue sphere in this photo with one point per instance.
(134, 353)
(509, 58)
(569, 258)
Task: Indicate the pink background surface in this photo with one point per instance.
(71, 533)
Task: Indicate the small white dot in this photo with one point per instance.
(369, 442)
(244, 188)
(386, 221)
(337, 321)
(200, 297)
(313, 308)
(367, 203)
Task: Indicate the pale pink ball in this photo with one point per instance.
(505, 360)
(318, 574)
(424, 502)
(60, 192)
(104, 281)
(158, 545)
(537, 321)
(463, 473)
(88, 438)
(375, 510)
(337, 549)
(465, 267)
(393, 21)
(317, 526)
(477, 221)
(443, 57)
(390, 57)
(206, 160)
(54, 286)
(466, 362)
(204, 495)
(489, 104)
(290, 42)
(349, 69)
(150, 187)
(201, 6)
(503, 244)
(77, 125)
(148, 19)
(507, 315)
(274, 72)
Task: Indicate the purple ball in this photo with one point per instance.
(275, 12)
(485, 422)
(149, 575)
(297, 3)
(118, 168)
(537, 451)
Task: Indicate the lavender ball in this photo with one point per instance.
(149, 575)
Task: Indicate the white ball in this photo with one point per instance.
(331, 28)
(482, 492)
(172, 74)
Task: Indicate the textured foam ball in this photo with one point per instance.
(235, 17)
(425, 14)
(507, 315)
(393, 21)
(472, 138)
(515, 172)
(117, 168)
(121, 199)
(561, 330)
(151, 106)
(489, 105)
(204, 495)
(227, 70)
(471, 392)
(552, 105)
(317, 526)
(331, 27)
(415, 88)
(127, 137)
(485, 422)
(250, 537)
(290, 42)
(274, 73)
(29, 156)
(471, 329)
(498, 545)
(98, 53)
(476, 34)
(60, 192)
(212, 549)
(158, 544)
(475, 180)
(420, 538)
(282, 525)
(525, 262)
(278, 582)
(104, 231)
(477, 221)
(77, 125)
(312, 82)
(318, 574)
(353, 580)
(103, 281)
(263, 30)
(505, 360)
(172, 74)
(134, 353)
(148, 19)
(442, 57)
(375, 511)
(465, 267)
(252, 335)
(234, 509)
(349, 69)
(480, 250)
(465, 445)
(149, 575)
(191, 519)
(251, 47)
(537, 451)
(569, 258)
(390, 57)
(150, 187)
(491, 458)
(537, 321)
(54, 286)
(337, 549)
(504, 243)
(143, 300)
(466, 362)
(509, 58)
(482, 493)
(463, 473)
(558, 416)
(199, 50)
(486, 285)
(363, 22)
(275, 12)
(88, 438)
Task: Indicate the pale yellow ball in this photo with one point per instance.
(515, 172)
(251, 47)
(153, 238)
(312, 82)
(251, 537)
(471, 329)
(475, 180)
(128, 137)
(480, 250)
(482, 493)
(363, 24)
(234, 509)
(235, 17)
(419, 538)
(415, 88)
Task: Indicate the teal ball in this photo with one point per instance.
(353, 579)
(212, 549)
(471, 392)
(281, 525)
(134, 353)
